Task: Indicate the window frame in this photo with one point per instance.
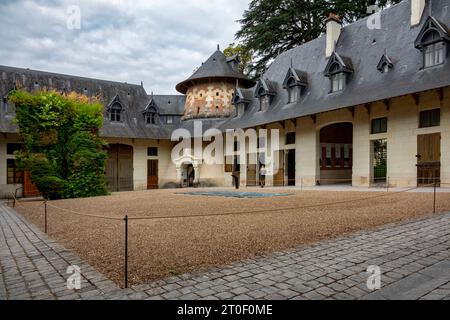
(115, 113)
(339, 78)
(290, 138)
(431, 54)
(152, 151)
(17, 175)
(382, 125)
(430, 113)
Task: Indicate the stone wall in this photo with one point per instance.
(209, 100)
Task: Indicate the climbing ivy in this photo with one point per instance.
(62, 149)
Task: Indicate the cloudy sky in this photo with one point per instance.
(159, 42)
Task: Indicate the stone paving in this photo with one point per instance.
(414, 258)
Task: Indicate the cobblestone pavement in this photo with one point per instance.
(414, 258)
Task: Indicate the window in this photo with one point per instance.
(151, 118)
(264, 102)
(290, 138)
(240, 109)
(115, 112)
(430, 118)
(12, 147)
(294, 94)
(14, 175)
(379, 125)
(434, 54)
(338, 82)
(152, 152)
(169, 120)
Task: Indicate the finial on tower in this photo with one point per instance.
(218, 47)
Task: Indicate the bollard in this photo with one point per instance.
(126, 251)
(45, 216)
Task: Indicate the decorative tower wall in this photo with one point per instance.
(209, 100)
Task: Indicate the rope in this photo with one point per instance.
(260, 211)
(83, 214)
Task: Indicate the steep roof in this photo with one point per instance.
(216, 66)
(131, 97)
(366, 84)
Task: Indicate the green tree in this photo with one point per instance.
(244, 55)
(270, 27)
(62, 149)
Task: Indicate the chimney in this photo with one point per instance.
(417, 7)
(334, 26)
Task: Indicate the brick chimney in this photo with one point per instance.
(334, 26)
(417, 7)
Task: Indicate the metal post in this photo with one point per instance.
(14, 202)
(45, 215)
(387, 184)
(126, 251)
(434, 199)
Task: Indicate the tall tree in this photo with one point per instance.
(270, 27)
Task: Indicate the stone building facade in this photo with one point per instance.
(360, 106)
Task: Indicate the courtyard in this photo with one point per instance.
(173, 232)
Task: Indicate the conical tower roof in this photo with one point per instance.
(216, 67)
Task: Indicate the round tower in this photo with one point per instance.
(209, 91)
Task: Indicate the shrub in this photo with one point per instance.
(62, 149)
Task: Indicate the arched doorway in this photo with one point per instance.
(119, 168)
(188, 175)
(336, 153)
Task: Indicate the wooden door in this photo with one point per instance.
(278, 178)
(152, 174)
(251, 170)
(119, 168)
(291, 167)
(428, 159)
(29, 189)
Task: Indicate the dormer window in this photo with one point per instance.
(115, 113)
(338, 82)
(264, 102)
(433, 41)
(434, 54)
(151, 117)
(385, 64)
(337, 69)
(241, 99)
(115, 110)
(151, 113)
(295, 82)
(265, 91)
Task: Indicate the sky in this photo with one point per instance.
(159, 42)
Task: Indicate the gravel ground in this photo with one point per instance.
(163, 247)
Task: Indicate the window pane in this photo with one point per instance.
(152, 151)
(430, 118)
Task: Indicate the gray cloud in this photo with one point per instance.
(157, 41)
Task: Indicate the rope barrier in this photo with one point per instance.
(84, 214)
(260, 211)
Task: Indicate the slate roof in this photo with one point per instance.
(366, 84)
(133, 99)
(216, 66)
(358, 46)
